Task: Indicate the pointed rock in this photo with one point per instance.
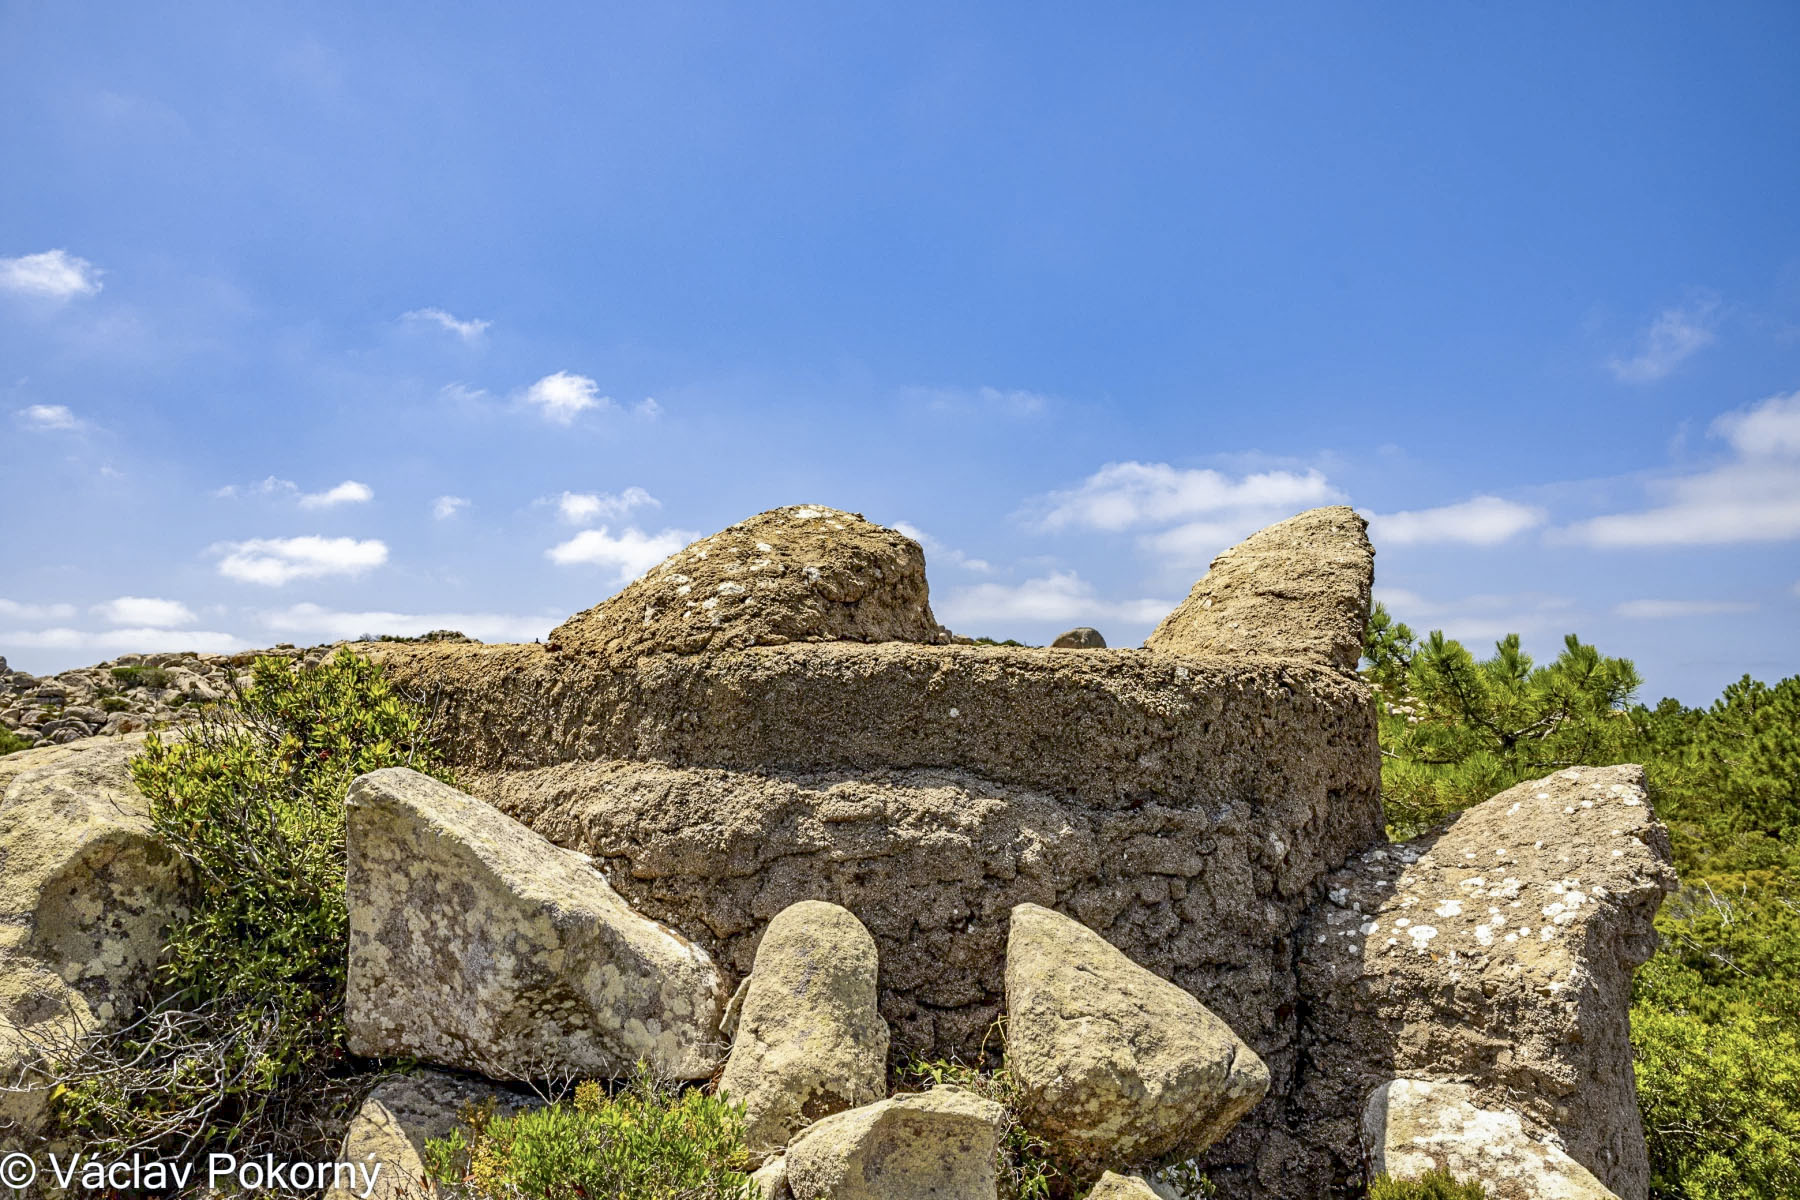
(476, 943)
(1296, 590)
(809, 1040)
(1117, 1066)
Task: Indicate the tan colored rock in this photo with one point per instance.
(1496, 949)
(475, 943)
(810, 1041)
(1082, 637)
(797, 574)
(939, 1145)
(87, 892)
(1122, 1187)
(1116, 1065)
(1298, 590)
(771, 1180)
(1413, 1126)
(386, 1138)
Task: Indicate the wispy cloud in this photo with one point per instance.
(1125, 495)
(647, 409)
(48, 417)
(312, 620)
(469, 330)
(562, 397)
(145, 611)
(579, 508)
(347, 492)
(1486, 616)
(1672, 338)
(1010, 402)
(939, 552)
(1658, 610)
(1482, 521)
(628, 554)
(1060, 598)
(275, 561)
(12, 610)
(445, 507)
(136, 641)
(52, 275)
(1754, 497)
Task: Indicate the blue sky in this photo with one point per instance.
(323, 321)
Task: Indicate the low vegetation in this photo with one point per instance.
(1716, 1013)
(243, 1045)
(1433, 1185)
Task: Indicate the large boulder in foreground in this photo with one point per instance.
(1298, 590)
(798, 574)
(87, 893)
(1497, 949)
(1413, 1126)
(810, 1041)
(1117, 1067)
(938, 1145)
(475, 943)
(385, 1142)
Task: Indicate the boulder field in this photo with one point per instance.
(759, 814)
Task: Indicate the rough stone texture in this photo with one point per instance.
(1497, 950)
(1122, 1187)
(475, 943)
(399, 1117)
(935, 1146)
(86, 894)
(809, 1040)
(1082, 637)
(771, 1180)
(797, 574)
(1116, 1066)
(1297, 591)
(1412, 1126)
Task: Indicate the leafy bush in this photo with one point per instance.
(1433, 1185)
(114, 704)
(11, 742)
(244, 1043)
(649, 1141)
(140, 676)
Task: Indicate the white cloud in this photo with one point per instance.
(562, 396)
(49, 416)
(647, 408)
(312, 620)
(145, 611)
(1061, 598)
(1483, 521)
(347, 492)
(578, 508)
(1753, 498)
(1127, 494)
(54, 274)
(274, 561)
(936, 550)
(1675, 335)
(629, 554)
(138, 641)
(269, 486)
(12, 610)
(445, 507)
(1481, 617)
(468, 331)
(1656, 610)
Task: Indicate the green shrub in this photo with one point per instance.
(11, 742)
(1433, 1185)
(114, 704)
(244, 1044)
(648, 1141)
(144, 677)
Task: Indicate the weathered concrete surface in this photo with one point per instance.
(1296, 591)
(798, 574)
(395, 1122)
(1413, 1126)
(87, 892)
(809, 1041)
(475, 943)
(1116, 1067)
(939, 1145)
(1495, 950)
